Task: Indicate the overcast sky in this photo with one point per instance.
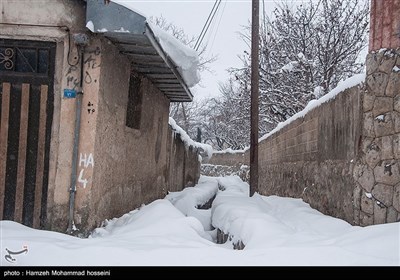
(222, 36)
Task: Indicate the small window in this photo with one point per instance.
(134, 108)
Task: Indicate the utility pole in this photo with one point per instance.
(255, 27)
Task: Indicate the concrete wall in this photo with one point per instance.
(343, 157)
(119, 168)
(313, 157)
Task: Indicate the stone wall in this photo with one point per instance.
(212, 170)
(229, 158)
(377, 192)
(227, 163)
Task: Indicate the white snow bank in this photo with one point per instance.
(276, 231)
(233, 185)
(188, 141)
(155, 234)
(190, 198)
(342, 86)
(185, 58)
(290, 228)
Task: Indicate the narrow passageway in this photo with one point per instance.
(177, 231)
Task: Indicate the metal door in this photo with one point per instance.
(26, 112)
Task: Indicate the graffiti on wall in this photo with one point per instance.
(85, 161)
(71, 75)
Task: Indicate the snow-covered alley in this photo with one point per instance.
(172, 231)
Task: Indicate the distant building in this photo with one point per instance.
(119, 149)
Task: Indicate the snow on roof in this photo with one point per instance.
(129, 4)
(185, 58)
(188, 141)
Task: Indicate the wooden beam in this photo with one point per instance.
(40, 156)
(23, 136)
(5, 112)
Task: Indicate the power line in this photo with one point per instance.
(216, 31)
(207, 24)
(204, 27)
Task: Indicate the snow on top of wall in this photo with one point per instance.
(229, 151)
(188, 141)
(184, 57)
(342, 86)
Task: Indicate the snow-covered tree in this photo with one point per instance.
(305, 50)
(187, 115)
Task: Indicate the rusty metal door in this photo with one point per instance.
(26, 113)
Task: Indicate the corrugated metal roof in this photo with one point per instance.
(132, 35)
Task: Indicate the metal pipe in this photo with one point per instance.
(72, 188)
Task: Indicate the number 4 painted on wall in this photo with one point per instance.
(81, 180)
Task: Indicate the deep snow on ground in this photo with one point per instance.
(275, 230)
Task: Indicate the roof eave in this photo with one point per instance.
(110, 19)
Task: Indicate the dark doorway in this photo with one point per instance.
(26, 113)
